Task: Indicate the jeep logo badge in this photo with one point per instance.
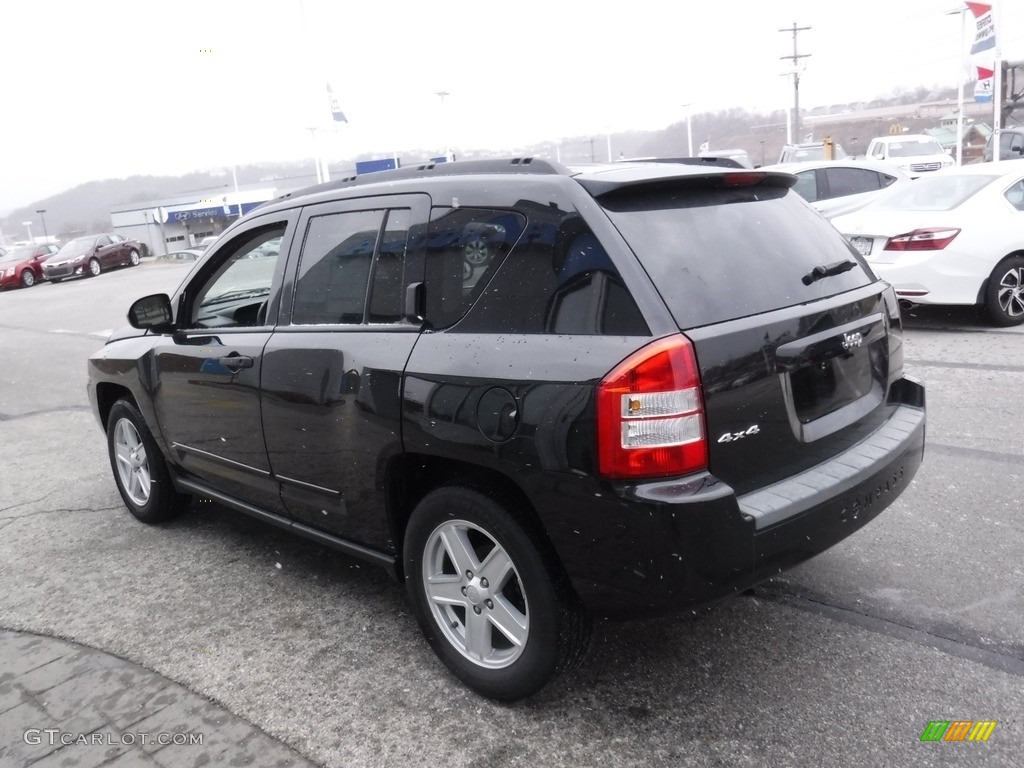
(852, 340)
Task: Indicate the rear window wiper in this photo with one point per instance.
(828, 270)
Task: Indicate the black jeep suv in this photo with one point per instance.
(534, 393)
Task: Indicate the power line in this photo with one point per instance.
(795, 58)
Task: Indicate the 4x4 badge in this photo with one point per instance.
(731, 437)
(852, 340)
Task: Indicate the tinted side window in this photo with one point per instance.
(464, 247)
(850, 181)
(334, 268)
(387, 285)
(557, 279)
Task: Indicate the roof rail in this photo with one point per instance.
(529, 165)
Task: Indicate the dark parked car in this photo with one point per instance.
(1011, 144)
(666, 384)
(23, 265)
(90, 255)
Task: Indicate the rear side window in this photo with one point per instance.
(719, 254)
(851, 181)
(557, 279)
(464, 248)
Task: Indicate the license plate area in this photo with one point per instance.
(833, 378)
(862, 245)
(829, 385)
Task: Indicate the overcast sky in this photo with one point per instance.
(111, 88)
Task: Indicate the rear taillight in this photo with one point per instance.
(930, 239)
(650, 414)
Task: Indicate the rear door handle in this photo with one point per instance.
(236, 362)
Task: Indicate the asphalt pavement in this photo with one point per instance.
(265, 639)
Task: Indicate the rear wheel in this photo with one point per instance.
(499, 614)
(28, 278)
(1004, 295)
(94, 267)
(139, 468)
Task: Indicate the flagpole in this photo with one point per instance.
(997, 97)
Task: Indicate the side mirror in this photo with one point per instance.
(152, 312)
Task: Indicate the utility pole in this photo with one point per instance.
(795, 58)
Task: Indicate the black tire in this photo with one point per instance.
(1004, 293)
(134, 258)
(94, 268)
(139, 468)
(28, 278)
(532, 596)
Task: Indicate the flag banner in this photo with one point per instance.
(983, 50)
(983, 88)
(336, 113)
(985, 29)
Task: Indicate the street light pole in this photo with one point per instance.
(444, 125)
(689, 130)
(42, 215)
(960, 86)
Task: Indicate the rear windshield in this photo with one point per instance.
(935, 193)
(716, 255)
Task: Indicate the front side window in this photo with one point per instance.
(237, 290)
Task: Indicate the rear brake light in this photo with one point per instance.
(650, 414)
(743, 179)
(930, 239)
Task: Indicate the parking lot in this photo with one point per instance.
(843, 661)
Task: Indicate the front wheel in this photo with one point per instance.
(134, 258)
(1004, 295)
(139, 468)
(495, 609)
(28, 278)
(94, 267)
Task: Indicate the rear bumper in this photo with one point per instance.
(672, 546)
(935, 277)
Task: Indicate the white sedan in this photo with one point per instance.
(952, 237)
(835, 187)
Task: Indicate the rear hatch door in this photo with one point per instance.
(797, 341)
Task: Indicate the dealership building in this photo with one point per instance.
(174, 224)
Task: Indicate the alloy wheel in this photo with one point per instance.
(132, 462)
(475, 594)
(1011, 293)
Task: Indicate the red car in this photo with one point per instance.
(90, 255)
(24, 265)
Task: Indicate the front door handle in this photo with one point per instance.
(236, 362)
